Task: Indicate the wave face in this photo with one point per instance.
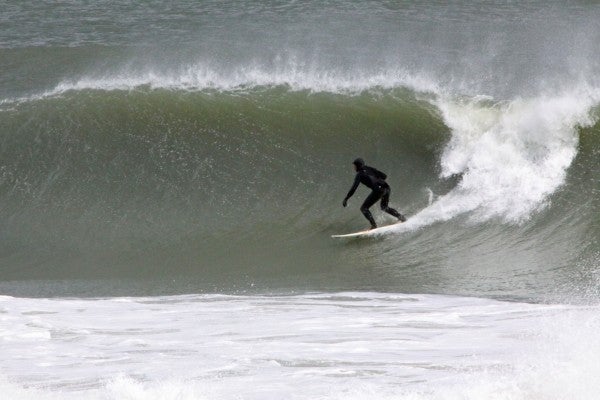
(212, 151)
(244, 186)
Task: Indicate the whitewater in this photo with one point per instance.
(343, 345)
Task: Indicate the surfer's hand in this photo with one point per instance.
(345, 202)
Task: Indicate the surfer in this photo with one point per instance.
(375, 180)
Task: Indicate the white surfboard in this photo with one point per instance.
(367, 233)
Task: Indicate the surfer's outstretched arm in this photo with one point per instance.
(352, 190)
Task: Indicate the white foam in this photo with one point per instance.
(512, 155)
(324, 346)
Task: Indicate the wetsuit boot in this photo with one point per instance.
(395, 213)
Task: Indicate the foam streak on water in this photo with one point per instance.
(345, 345)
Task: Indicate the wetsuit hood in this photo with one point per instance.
(359, 162)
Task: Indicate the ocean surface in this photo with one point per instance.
(171, 174)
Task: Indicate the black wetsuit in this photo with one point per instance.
(375, 180)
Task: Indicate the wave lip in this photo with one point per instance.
(199, 77)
